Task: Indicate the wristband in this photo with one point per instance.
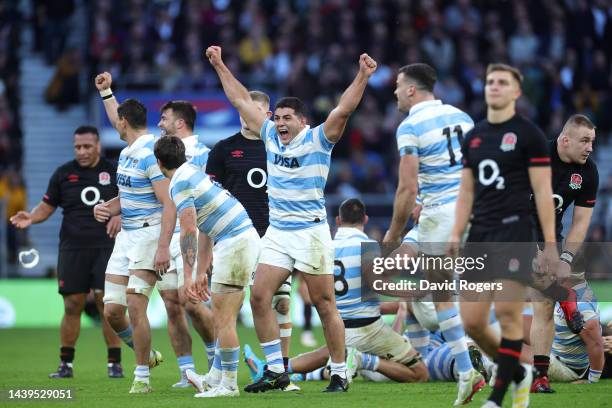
(567, 256)
(106, 93)
(594, 375)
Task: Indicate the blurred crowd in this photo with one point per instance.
(310, 49)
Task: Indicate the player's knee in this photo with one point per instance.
(73, 307)
(259, 299)
(282, 306)
(114, 315)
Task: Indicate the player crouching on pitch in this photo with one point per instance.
(202, 204)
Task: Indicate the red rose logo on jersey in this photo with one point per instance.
(104, 178)
(514, 265)
(575, 181)
(508, 142)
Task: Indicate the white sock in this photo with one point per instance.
(338, 369)
(141, 373)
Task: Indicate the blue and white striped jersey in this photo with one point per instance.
(569, 347)
(434, 132)
(439, 362)
(347, 275)
(136, 171)
(219, 214)
(196, 152)
(297, 174)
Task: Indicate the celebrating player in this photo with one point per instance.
(205, 206)
(298, 236)
(239, 164)
(178, 118)
(429, 143)
(505, 157)
(85, 245)
(141, 251)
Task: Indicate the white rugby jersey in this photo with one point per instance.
(219, 214)
(433, 132)
(347, 275)
(136, 171)
(297, 174)
(568, 346)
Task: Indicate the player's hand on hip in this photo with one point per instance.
(114, 226)
(103, 81)
(101, 213)
(162, 259)
(22, 219)
(367, 65)
(213, 53)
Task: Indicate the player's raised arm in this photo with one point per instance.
(103, 83)
(237, 94)
(337, 118)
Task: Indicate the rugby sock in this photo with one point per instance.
(452, 330)
(274, 356)
(141, 373)
(229, 366)
(307, 316)
(374, 376)
(67, 355)
(126, 336)
(288, 367)
(286, 364)
(114, 355)
(316, 375)
(210, 353)
(417, 335)
(185, 363)
(337, 369)
(541, 363)
(507, 366)
(214, 375)
(369, 362)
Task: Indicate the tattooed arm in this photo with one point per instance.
(189, 243)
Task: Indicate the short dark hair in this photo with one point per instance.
(578, 120)
(87, 129)
(516, 73)
(259, 96)
(294, 103)
(422, 74)
(170, 151)
(352, 211)
(134, 112)
(182, 110)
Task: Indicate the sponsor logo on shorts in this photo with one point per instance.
(508, 142)
(104, 178)
(575, 181)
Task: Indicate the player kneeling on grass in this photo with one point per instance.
(372, 344)
(203, 205)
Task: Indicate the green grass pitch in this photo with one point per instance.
(28, 355)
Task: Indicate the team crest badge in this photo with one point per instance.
(104, 178)
(514, 265)
(508, 142)
(575, 181)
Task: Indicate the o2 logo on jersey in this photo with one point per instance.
(488, 173)
(575, 181)
(508, 142)
(88, 199)
(558, 202)
(262, 174)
